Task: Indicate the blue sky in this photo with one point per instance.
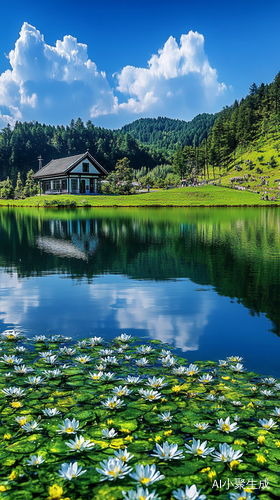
(120, 61)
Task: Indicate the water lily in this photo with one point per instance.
(199, 450)
(20, 348)
(168, 361)
(51, 412)
(142, 362)
(222, 362)
(267, 393)
(146, 475)
(82, 344)
(181, 370)
(122, 391)
(113, 403)
(11, 360)
(123, 455)
(133, 380)
(268, 381)
(106, 352)
(243, 495)
(123, 337)
(156, 383)
(36, 380)
(93, 341)
(39, 338)
(52, 360)
(14, 392)
(201, 426)
(21, 420)
(109, 434)
(143, 349)
(80, 444)
(226, 426)
(267, 424)
(69, 471)
(234, 358)
(237, 368)
(112, 469)
(22, 369)
(192, 370)
(67, 350)
(140, 494)
(110, 360)
(108, 376)
(11, 335)
(168, 452)
(96, 376)
(276, 412)
(190, 493)
(31, 426)
(166, 416)
(149, 395)
(205, 379)
(211, 397)
(69, 426)
(226, 454)
(83, 359)
(35, 460)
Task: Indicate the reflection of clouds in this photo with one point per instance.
(149, 309)
(17, 298)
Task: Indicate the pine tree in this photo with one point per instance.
(30, 188)
(19, 190)
(7, 190)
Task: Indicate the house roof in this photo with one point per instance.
(62, 166)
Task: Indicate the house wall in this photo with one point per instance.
(79, 168)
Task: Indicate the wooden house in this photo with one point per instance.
(79, 174)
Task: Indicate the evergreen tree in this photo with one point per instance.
(30, 188)
(19, 190)
(7, 190)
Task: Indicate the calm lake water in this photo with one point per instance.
(205, 280)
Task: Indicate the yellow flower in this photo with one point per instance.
(129, 438)
(13, 475)
(205, 470)
(7, 436)
(126, 431)
(233, 380)
(248, 490)
(240, 442)
(163, 400)
(277, 444)
(261, 459)
(2, 487)
(16, 404)
(251, 405)
(211, 475)
(56, 493)
(212, 392)
(168, 433)
(158, 438)
(110, 422)
(176, 388)
(226, 378)
(261, 439)
(234, 463)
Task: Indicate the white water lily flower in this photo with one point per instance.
(51, 412)
(80, 444)
(123, 337)
(267, 424)
(39, 338)
(227, 454)
(69, 426)
(236, 403)
(122, 391)
(165, 353)
(96, 376)
(210, 397)
(82, 344)
(226, 426)
(127, 357)
(144, 349)
(142, 362)
(181, 370)
(36, 380)
(21, 420)
(69, 351)
(156, 383)
(68, 471)
(140, 494)
(222, 362)
(45, 354)
(109, 360)
(269, 381)
(31, 426)
(108, 376)
(236, 418)
(267, 393)
(106, 352)
(276, 412)
(237, 368)
(168, 361)
(221, 398)
(112, 469)
(199, 450)
(11, 360)
(95, 341)
(123, 455)
(83, 359)
(113, 403)
(109, 434)
(168, 452)
(190, 493)
(244, 495)
(149, 395)
(192, 370)
(13, 391)
(201, 426)
(22, 369)
(146, 475)
(205, 378)
(166, 416)
(35, 460)
(11, 335)
(52, 360)
(234, 358)
(7, 374)
(133, 380)
(20, 348)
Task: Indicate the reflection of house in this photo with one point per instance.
(79, 174)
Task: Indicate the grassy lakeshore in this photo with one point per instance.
(96, 420)
(207, 196)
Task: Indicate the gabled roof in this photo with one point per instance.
(62, 166)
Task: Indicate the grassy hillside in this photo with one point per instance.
(181, 197)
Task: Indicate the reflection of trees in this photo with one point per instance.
(234, 250)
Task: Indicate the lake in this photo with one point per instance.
(205, 280)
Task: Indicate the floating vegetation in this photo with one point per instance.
(119, 420)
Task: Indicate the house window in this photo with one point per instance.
(74, 184)
(57, 185)
(85, 167)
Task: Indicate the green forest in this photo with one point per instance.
(209, 146)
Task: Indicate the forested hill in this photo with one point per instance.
(21, 146)
(165, 134)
